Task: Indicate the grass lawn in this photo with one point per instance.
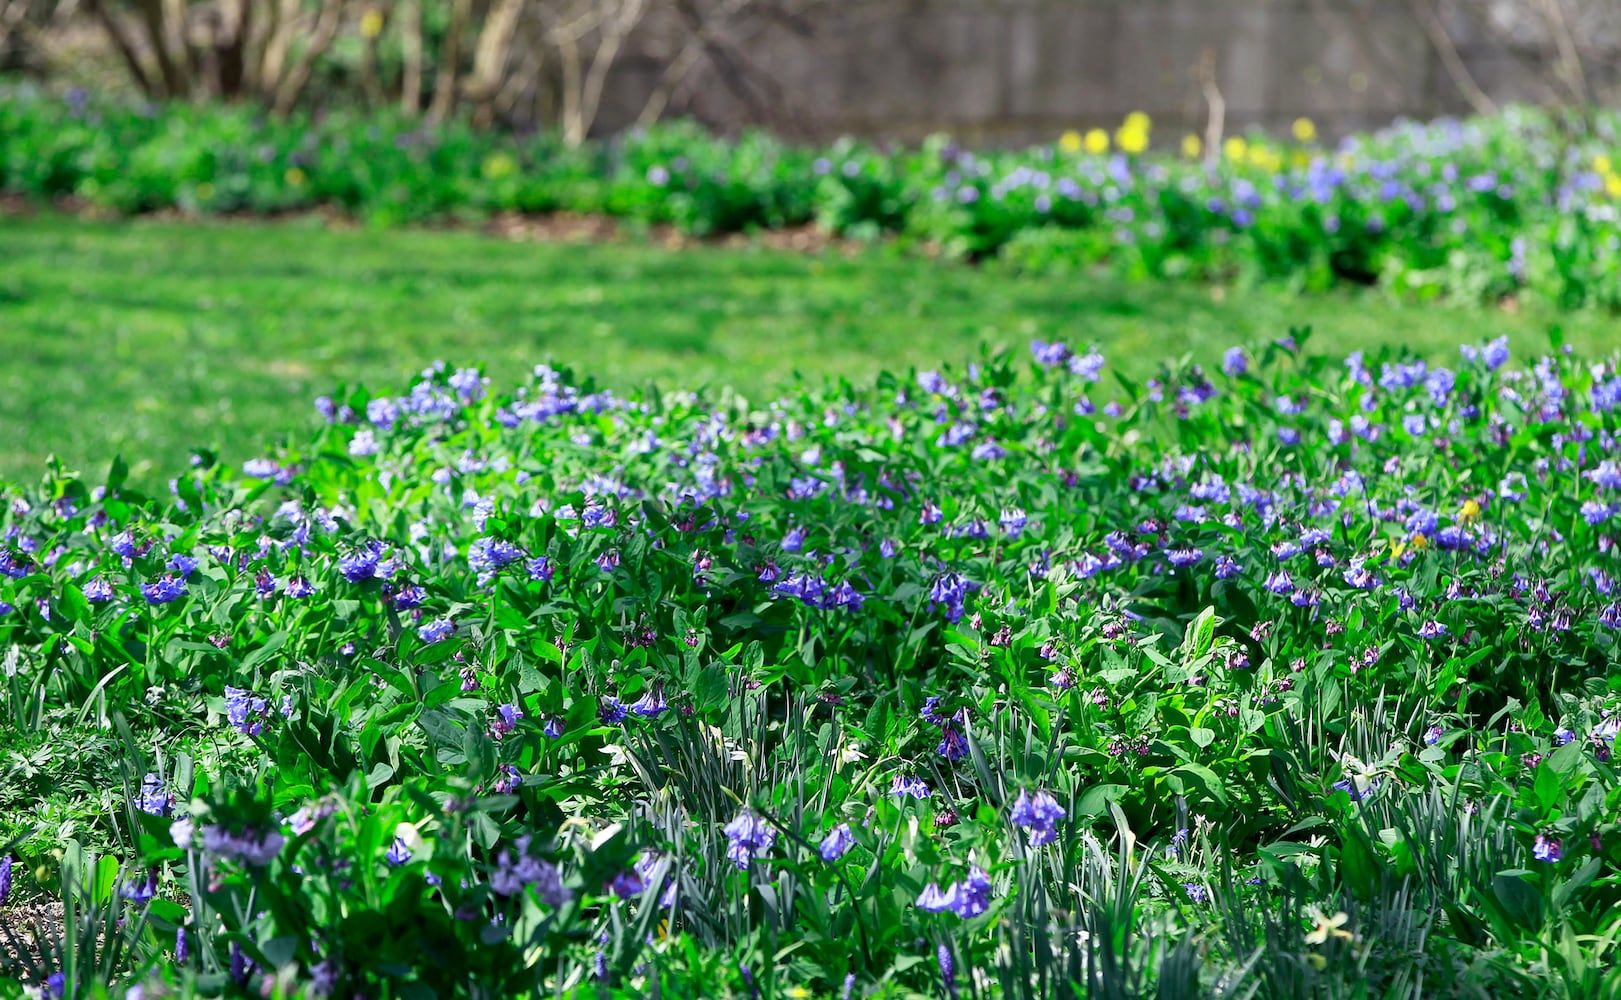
(150, 338)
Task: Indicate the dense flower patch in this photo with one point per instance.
(1518, 205)
(1292, 679)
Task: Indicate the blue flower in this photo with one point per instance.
(98, 591)
(651, 704)
(612, 711)
(153, 798)
(1038, 813)
(748, 837)
(398, 852)
(5, 878)
(164, 590)
(973, 894)
(905, 786)
(437, 631)
(1546, 848)
(837, 843)
(245, 710)
(1235, 362)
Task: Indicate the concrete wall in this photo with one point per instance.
(1017, 71)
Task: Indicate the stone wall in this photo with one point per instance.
(1016, 71)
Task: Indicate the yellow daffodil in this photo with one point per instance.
(1602, 164)
(1420, 543)
(1305, 130)
(1097, 142)
(371, 23)
(1612, 184)
(205, 191)
(1138, 122)
(798, 992)
(1235, 148)
(1070, 142)
(498, 166)
(1469, 511)
(1131, 140)
(1325, 926)
(1192, 147)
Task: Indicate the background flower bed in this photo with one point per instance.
(1291, 679)
(1485, 209)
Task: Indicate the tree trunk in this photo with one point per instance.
(450, 57)
(410, 17)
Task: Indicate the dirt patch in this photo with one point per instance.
(18, 923)
(553, 227)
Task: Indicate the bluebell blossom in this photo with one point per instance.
(1432, 630)
(1235, 362)
(1546, 848)
(153, 798)
(506, 720)
(164, 590)
(1038, 813)
(98, 591)
(247, 846)
(1049, 354)
(651, 704)
(245, 710)
(748, 836)
(612, 711)
(436, 631)
(837, 843)
(5, 878)
(398, 853)
(905, 786)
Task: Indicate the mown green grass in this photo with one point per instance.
(152, 338)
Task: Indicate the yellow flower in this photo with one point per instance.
(798, 992)
(1397, 547)
(1469, 511)
(1325, 926)
(498, 166)
(1131, 140)
(1612, 184)
(1235, 148)
(1097, 142)
(205, 191)
(1192, 147)
(1602, 164)
(1304, 130)
(1070, 142)
(1420, 543)
(1138, 122)
(371, 23)
(294, 177)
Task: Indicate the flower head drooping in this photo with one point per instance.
(1546, 848)
(748, 837)
(246, 711)
(153, 798)
(905, 786)
(651, 704)
(837, 843)
(437, 630)
(1038, 813)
